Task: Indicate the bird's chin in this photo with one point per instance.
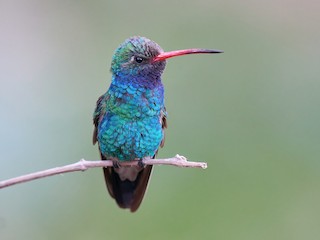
(159, 66)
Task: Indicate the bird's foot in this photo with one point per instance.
(141, 163)
(116, 164)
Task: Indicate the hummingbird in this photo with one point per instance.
(130, 118)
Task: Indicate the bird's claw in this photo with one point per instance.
(116, 164)
(141, 163)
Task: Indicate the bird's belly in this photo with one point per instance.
(128, 139)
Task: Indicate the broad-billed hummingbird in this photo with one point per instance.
(130, 117)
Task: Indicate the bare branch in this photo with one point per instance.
(83, 165)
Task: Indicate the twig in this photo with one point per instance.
(83, 165)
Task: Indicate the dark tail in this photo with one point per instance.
(128, 194)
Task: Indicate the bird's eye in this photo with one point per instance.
(138, 59)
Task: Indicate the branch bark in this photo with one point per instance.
(83, 165)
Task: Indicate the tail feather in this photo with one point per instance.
(127, 194)
(142, 184)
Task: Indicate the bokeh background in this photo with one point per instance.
(252, 113)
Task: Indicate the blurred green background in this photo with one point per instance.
(252, 113)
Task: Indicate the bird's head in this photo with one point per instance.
(142, 57)
(134, 57)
